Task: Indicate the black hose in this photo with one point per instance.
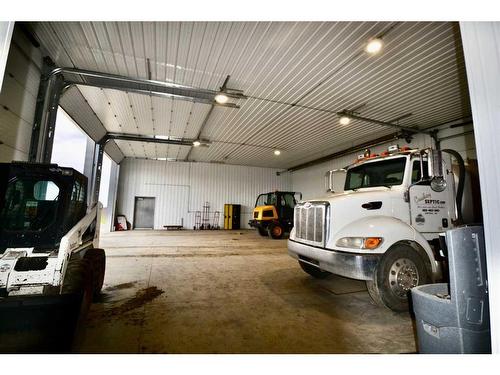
(461, 182)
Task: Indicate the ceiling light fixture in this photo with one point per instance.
(221, 98)
(344, 120)
(196, 143)
(374, 46)
(161, 159)
(277, 152)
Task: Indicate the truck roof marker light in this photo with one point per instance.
(385, 153)
(405, 148)
(367, 153)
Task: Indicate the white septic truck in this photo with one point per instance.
(384, 227)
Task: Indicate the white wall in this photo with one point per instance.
(18, 98)
(6, 29)
(482, 59)
(182, 188)
(311, 181)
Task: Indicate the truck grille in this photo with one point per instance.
(310, 222)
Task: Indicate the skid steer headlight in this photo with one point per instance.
(4, 267)
(368, 243)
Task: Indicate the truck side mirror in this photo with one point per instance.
(330, 179)
(435, 169)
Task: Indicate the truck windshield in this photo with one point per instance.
(30, 204)
(381, 173)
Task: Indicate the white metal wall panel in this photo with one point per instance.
(481, 46)
(182, 188)
(18, 99)
(6, 29)
(15, 133)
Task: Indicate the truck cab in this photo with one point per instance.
(384, 226)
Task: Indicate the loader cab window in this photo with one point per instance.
(268, 199)
(288, 200)
(78, 205)
(287, 205)
(30, 205)
(380, 173)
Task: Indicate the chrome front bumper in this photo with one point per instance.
(354, 266)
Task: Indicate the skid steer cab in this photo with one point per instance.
(384, 225)
(49, 238)
(273, 213)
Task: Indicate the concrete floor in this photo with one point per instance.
(230, 292)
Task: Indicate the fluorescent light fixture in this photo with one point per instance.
(196, 143)
(221, 98)
(162, 137)
(344, 120)
(374, 46)
(277, 152)
(161, 159)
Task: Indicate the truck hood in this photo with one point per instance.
(350, 206)
(379, 193)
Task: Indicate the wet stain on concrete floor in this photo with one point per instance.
(141, 297)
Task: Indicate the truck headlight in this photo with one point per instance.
(368, 243)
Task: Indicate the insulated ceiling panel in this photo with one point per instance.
(296, 76)
(152, 150)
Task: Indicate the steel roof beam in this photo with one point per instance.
(144, 86)
(147, 138)
(382, 123)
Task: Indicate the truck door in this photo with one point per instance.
(430, 211)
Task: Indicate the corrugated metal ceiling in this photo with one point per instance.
(296, 75)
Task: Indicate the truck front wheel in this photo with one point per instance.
(314, 271)
(399, 270)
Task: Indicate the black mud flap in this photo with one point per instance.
(38, 324)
